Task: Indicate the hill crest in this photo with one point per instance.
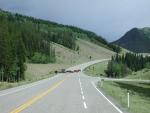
(136, 40)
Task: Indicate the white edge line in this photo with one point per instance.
(81, 89)
(82, 92)
(83, 97)
(26, 87)
(85, 106)
(106, 98)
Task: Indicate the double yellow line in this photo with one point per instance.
(36, 98)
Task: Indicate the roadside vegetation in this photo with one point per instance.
(143, 74)
(139, 92)
(122, 65)
(97, 70)
(139, 95)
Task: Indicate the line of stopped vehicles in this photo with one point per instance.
(67, 71)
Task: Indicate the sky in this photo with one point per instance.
(110, 19)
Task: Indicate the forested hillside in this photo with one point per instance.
(20, 40)
(122, 65)
(136, 40)
(28, 39)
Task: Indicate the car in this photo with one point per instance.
(69, 71)
(77, 70)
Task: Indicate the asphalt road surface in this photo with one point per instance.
(63, 93)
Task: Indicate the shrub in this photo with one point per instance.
(40, 58)
(147, 65)
(117, 70)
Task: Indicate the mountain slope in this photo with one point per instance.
(66, 58)
(136, 40)
(86, 50)
(27, 39)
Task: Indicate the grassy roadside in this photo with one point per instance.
(35, 72)
(142, 74)
(31, 79)
(96, 69)
(139, 93)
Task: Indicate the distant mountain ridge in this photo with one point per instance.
(136, 40)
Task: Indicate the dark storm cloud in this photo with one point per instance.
(109, 18)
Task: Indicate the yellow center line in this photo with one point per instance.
(36, 98)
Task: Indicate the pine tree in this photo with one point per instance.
(21, 56)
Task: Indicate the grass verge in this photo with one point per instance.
(142, 74)
(35, 72)
(7, 85)
(96, 69)
(139, 95)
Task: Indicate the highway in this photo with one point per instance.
(63, 93)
